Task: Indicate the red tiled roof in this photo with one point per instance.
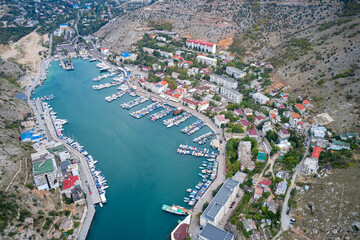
(259, 191)
(252, 132)
(245, 123)
(70, 182)
(259, 118)
(190, 101)
(284, 131)
(176, 95)
(164, 83)
(238, 111)
(295, 115)
(316, 152)
(181, 233)
(306, 102)
(199, 42)
(266, 182)
(300, 106)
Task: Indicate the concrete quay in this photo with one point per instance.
(87, 181)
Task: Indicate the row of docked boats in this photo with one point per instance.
(99, 179)
(161, 114)
(196, 194)
(146, 110)
(46, 98)
(208, 168)
(196, 126)
(115, 96)
(177, 119)
(134, 102)
(197, 152)
(202, 139)
(101, 77)
(106, 85)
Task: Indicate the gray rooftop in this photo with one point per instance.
(224, 78)
(233, 91)
(210, 232)
(234, 69)
(220, 199)
(64, 165)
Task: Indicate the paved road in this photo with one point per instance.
(285, 219)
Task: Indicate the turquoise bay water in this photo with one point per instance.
(137, 157)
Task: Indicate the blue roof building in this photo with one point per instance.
(21, 96)
(30, 137)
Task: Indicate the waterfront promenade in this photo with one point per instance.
(87, 181)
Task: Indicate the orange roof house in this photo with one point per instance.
(300, 107)
(295, 115)
(164, 83)
(316, 152)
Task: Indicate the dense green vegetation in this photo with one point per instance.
(13, 33)
(161, 25)
(337, 159)
(8, 210)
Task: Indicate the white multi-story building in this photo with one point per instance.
(231, 94)
(220, 204)
(223, 81)
(207, 60)
(201, 46)
(44, 170)
(260, 98)
(310, 166)
(234, 72)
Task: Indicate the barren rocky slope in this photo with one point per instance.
(25, 212)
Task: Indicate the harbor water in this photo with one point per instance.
(137, 156)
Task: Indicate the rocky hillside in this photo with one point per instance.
(25, 213)
(214, 19)
(313, 44)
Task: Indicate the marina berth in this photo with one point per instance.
(161, 114)
(115, 96)
(202, 139)
(106, 85)
(197, 152)
(134, 102)
(99, 179)
(146, 110)
(196, 126)
(46, 98)
(101, 77)
(66, 64)
(177, 119)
